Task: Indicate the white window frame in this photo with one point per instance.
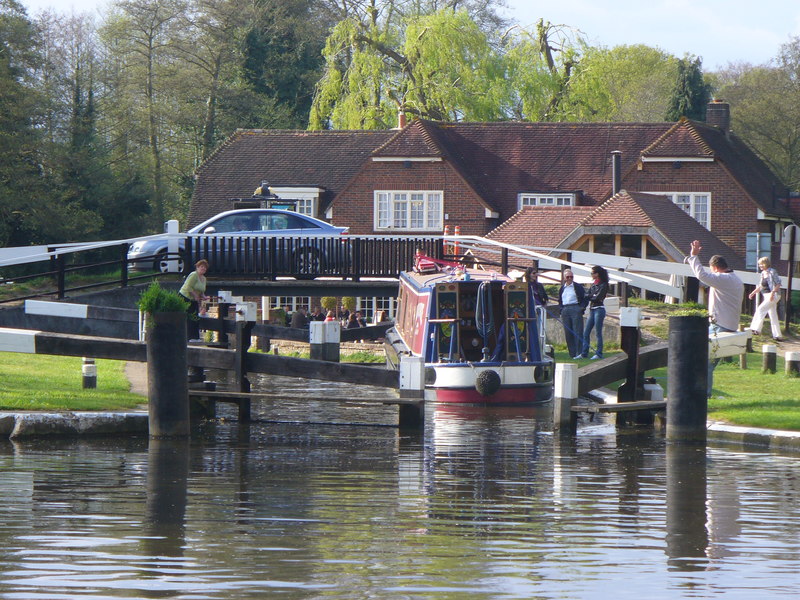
(408, 210)
(544, 199)
(692, 204)
(307, 198)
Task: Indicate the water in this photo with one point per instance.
(485, 504)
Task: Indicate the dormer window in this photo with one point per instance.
(544, 199)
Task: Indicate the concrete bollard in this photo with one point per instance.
(687, 374)
(167, 385)
(769, 360)
(324, 337)
(566, 392)
(793, 364)
(412, 377)
(89, 373)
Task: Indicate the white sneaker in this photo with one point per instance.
(596, 357)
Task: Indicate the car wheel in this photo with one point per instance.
(308, 263)
(161, 263)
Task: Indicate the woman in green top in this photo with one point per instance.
(193, 289)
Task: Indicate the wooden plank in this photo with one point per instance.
(622, 406)
(236, 396)
(307, 368)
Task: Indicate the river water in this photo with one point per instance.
(484, 504)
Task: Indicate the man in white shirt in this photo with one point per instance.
(725, 295)
(572, 301)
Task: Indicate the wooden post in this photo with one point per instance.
(791, 259)
(89, 373)
(167, 386)
(793, 364)
(629, 335)
(412, 385)
(244, 330)
(769, 359)
(687, 376)
(565, 421)
(748, 348)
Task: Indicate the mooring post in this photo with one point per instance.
(89, 373)
(793, 364)
(565, 421)
(769, 360)
(324, 337)
(167, 385)
(629, 319)
(687, 376)
(244, 330)
(412, 385)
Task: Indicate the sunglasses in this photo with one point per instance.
(567, 276)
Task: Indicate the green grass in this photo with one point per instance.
(39, 382)
(746, 397)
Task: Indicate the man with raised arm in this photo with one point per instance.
(725, 295)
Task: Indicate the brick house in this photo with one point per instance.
(499, 178)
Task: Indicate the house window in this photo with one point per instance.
(545, 200)
(305, 206)
(420, 211)
(693, 203)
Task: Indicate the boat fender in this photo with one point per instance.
(430, 376)
(487, 382)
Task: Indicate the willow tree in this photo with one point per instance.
(623, 83)
(539, 68)
(440, 67)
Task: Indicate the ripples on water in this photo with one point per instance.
(486, 503)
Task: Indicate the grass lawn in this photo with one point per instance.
(742, 396)
(40, 382)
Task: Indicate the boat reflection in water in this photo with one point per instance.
(480, 333)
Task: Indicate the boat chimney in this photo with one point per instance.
(616, 172)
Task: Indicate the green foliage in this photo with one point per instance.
(348, 302)
(690, 94)
(624, 83)
(329, 302)
(156, 299)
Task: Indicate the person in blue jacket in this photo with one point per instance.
(572, 301)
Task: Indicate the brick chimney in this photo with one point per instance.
(718, 112)
(401, 119)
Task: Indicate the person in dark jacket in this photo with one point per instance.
(597, 312)
(572, 301)
(537, 289)
(299, 319)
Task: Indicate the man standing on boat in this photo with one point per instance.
(572, 301)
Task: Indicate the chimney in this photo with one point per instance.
(401, 119)
(616, 172)
(718, 112)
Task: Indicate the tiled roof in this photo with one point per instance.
(543, 226)
(326, 159)
(636, 209)
(414, 140)
(680, 140)
(548, 227)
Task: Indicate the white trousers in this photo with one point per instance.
(767, 307)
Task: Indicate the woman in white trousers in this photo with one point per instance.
(770, 288)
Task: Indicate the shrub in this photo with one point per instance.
(156, 299)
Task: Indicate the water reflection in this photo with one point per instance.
(485, 503)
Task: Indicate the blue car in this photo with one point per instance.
(239, 240)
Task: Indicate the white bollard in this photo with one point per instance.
(770, 358)
(89, 373)
(793, 364)
(565, 392)
(412, 377)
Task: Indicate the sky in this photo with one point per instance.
(718, 31)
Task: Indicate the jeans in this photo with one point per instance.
(572, 320)
(712, 364)
(595, 320)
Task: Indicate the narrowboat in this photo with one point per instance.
(480, 333)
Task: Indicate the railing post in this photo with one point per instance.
(60, 276)
(123, 280)
(357, 259)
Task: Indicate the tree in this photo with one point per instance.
(623, 83)
(691, 93)
(440, 67)
(765, 110)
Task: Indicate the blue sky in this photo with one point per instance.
(720, 31)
